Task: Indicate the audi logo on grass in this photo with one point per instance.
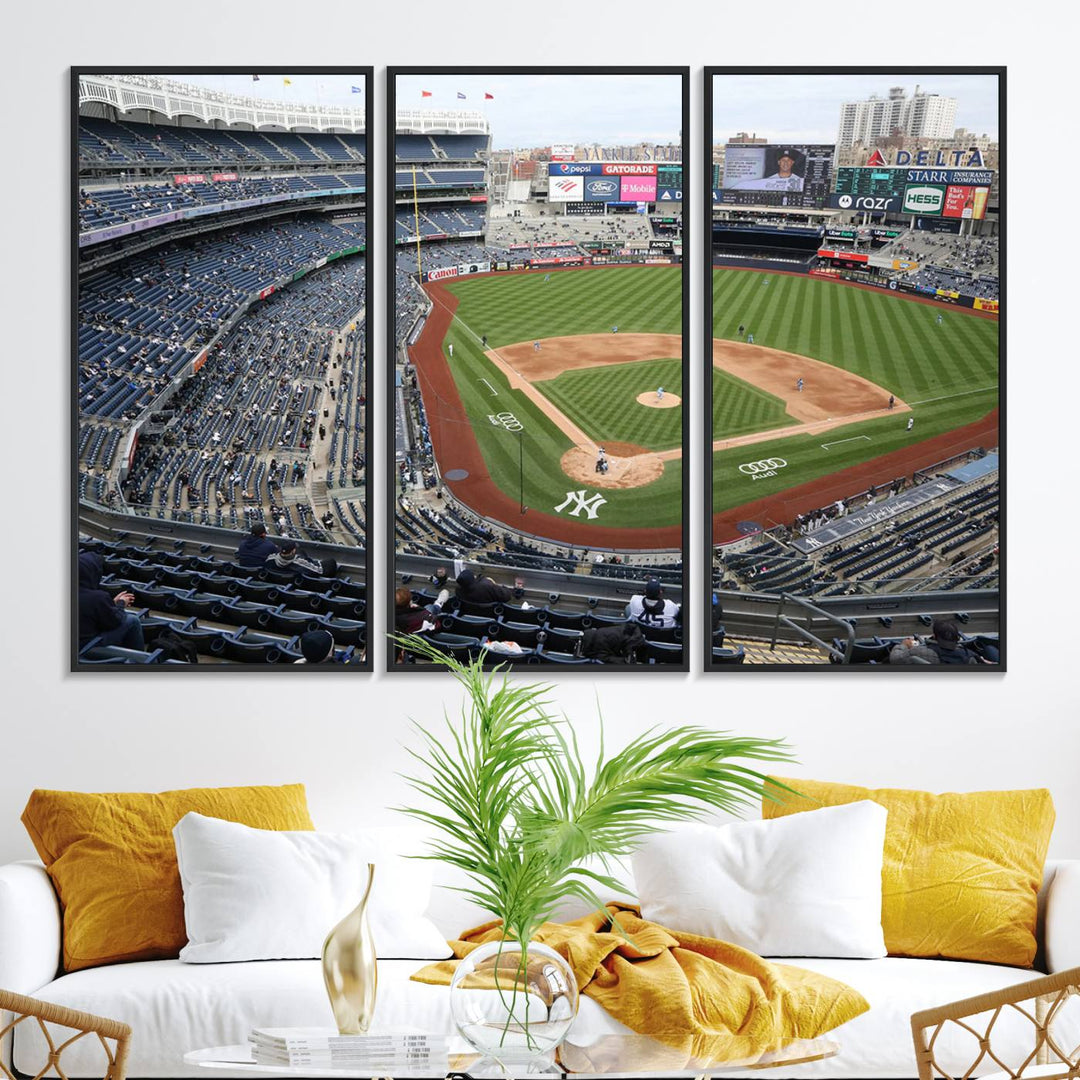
(760, 470)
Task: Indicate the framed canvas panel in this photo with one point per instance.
(537, 418)
(854, 336)
(219, 345)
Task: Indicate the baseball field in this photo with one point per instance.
(779, 450)
(525, 378)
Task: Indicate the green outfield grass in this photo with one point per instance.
(521, 307)
(947, 373)
(603, 402)
(739, 407)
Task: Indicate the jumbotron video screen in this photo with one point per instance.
(795, 175)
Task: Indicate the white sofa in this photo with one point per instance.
(175, 1007)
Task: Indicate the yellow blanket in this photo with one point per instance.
(705, 998)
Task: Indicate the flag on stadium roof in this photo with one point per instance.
(254, 78)
(461, 95)
(356, 90)
(425, 93)
(489, 97)
(287, 82)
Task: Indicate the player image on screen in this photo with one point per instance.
(782, 169)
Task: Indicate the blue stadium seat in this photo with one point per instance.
(662, 652)
(729, 656)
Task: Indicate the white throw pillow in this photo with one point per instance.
(259, 894)
(810, 887)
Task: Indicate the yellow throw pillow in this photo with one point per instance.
(961, 872)
(113, 864)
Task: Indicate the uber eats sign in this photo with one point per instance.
(927, 199)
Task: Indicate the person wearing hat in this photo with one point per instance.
(288, 557)
(786, 178)
(652, 609)
(946, 644)
(481, 590)
(256, 547)
(317, 647)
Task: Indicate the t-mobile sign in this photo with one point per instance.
(638, 189)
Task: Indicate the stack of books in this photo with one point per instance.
(323, 1048)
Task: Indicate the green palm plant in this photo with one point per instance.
(517, 809)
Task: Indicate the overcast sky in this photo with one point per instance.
(537, 110)
(807, 107)
(305, 89)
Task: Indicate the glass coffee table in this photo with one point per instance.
(627, 1056)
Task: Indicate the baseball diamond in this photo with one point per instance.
(853, 348)
(578, 391)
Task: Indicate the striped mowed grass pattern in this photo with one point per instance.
(603, 402)
(521, 307)
(948, 373)
(739, 407)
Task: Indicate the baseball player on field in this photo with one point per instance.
(659, 393)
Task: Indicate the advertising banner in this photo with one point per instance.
(638, 188)
(966, 202)
(888, 181)
(562, 151)
(266, 292)
(927, 200)
(199, 360)
(567, 260)
(189, 178)
(566, 189)
(224, 176)
(442, 272)
(849, 256)
(465, 269)
(574, 168)
(986, 305)
(601, 189)
(477, 198)
(629, 168)
(904, 264)
(888, 204)
(669, 194)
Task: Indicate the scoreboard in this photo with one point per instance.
(750, 176)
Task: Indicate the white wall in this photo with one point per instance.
(342, 736)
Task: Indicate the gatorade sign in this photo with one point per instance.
(927, 199)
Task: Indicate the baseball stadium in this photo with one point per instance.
(221, 383)
(855, 357)
(538, 421)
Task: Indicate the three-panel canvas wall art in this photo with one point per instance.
(530, 484)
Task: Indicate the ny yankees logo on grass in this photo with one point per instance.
(579, 500)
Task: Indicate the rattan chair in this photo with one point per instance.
(83, 1024)
(1041, 1002)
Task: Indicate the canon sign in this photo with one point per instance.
(634, 168)
(923, 199)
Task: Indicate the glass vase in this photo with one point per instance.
(514, 1005)
(350, 970)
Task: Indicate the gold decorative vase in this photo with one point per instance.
(349, 968)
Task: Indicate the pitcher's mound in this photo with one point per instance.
(668, 401)
(624, 471)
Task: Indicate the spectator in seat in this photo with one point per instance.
(946, 644)
(410, 617)
(651, 609)
(317, 647)
(256, 547)
(910, 651)
(102, 615)
(481, 590)
(288, 557)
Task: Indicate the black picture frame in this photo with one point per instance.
(392, 576)
(871, 612)
(199, 537)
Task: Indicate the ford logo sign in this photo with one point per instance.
(603, 187)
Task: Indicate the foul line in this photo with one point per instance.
(948, 397)
(837, 442)
(494, 392)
